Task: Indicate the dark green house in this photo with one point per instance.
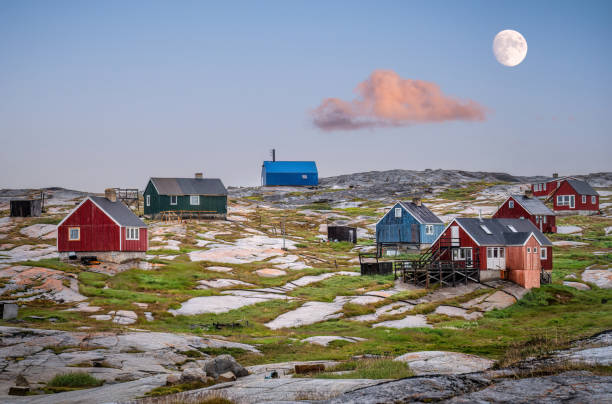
(188, 197)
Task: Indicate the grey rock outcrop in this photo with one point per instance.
(222, 364)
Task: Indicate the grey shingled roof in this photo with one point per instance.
(118, 211)
(501, 234)
(533, 205)
(582, 187)
(189, 186)
(421, 213)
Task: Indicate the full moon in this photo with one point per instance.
(509, 47)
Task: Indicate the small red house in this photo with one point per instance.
(575, 197)
(544, 188)
(512, 249)
(528, 207)
(104, 228)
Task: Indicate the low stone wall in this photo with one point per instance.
(573, 212)
(490, 275)
(117, 257)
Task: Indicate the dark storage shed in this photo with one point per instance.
(26, 207)
(342, 233)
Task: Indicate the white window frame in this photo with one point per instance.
(535, 250)
(132, 233)
(543, 253)
(78, 230)
(148, 200)
(193, 198)
(175, 200)
(544, 218)
(544, 186)
(462, 254)
(511, 204)
(528, 250)
(429, 229)
(593, 199)
(398, 212)
(583, 198)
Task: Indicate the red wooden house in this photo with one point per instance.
(528, 207)
(512, 249)
(544, 188)
(575, 197)
(104, 228)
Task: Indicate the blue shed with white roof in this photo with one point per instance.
(290, 173)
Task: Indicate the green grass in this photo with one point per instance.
(77, 379)
(177, 388)
(52, 263)
(329, 288)
(367, 369)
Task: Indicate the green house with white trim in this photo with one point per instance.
(187, 197)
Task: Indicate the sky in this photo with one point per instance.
(109, 93)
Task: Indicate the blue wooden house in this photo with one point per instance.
(290, 173)
(407, 225)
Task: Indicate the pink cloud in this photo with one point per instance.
(385, 99)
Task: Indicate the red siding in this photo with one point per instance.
(567, 189)
(547, 190)
(548, 262)
(518, 212)
(98, 231)
(466, 241)
(134, 245)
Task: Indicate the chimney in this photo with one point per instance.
(529, 193)
(417, 201)
(110, 194)
(199, 176)
(555, 175)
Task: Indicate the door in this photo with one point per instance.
(455, 236)
(572, 201)
(496, 258)
(414, 230)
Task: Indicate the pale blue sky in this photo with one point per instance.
(109, 93)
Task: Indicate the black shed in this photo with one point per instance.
(26, 207)
(342, 233)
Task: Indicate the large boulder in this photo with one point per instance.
(222, 364)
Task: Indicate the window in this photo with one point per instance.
(462, 254)
(566, 200)
(594, 200)
(429, 229)
(132, 233)
(398, 212)
(194, 200)
(543, 253)
(560, 200)
(544, 219)
(528, 250)
(485, 228)
(148, 200)
(583, 198)
(173, 199)
(544, 186)
(511, 204)
(74, 233)
(512, 229)
(502, 252)
(304, 176)
(535, 250)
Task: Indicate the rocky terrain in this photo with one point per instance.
(210, 289)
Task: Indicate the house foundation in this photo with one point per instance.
(117, 257)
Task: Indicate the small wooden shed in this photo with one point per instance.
(342, 233)
(26, 207)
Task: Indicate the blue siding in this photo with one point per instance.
(289, 173)
(400, 230)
